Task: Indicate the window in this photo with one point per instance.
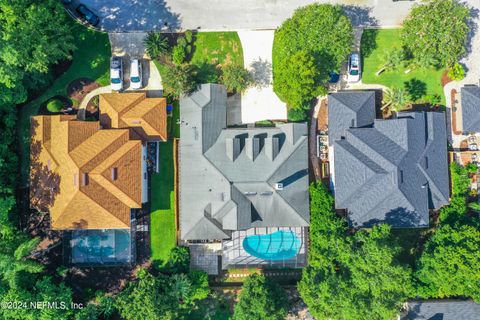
(114, 173)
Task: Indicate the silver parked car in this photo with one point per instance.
(135, 74)
(116, 73)
(354, 69)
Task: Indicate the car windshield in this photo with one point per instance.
(116, 80)
(135, 79)
(354, 72)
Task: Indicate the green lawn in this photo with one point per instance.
(209, 50)
(162, 224)
(374, 44)
(90, 60)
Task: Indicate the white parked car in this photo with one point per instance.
(116, 73)
(354, 70)
(135, 74)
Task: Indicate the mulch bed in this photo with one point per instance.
(79, 88)
(453, 96)
(445, 79)
(43, 107)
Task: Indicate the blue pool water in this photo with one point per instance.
(274, 246)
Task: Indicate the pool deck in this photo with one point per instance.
(234, 255)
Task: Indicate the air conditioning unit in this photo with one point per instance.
(278, 186)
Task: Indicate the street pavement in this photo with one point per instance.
(217, 15)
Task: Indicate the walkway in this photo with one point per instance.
(260, 103)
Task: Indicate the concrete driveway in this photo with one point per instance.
(210, 15)
(260, 103)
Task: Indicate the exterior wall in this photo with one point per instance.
(144, 174)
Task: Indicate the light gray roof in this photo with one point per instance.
(471, 108)
(393, 171)
(442, 310)
(348, 109)
(228, 176)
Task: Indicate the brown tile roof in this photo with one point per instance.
(71, 175)
(147, 116)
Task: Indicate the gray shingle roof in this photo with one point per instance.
(228, 176)
(393, 171)
(348, 109)
(471, 108)
(442, 310)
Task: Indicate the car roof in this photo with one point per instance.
(134, 65)
(114, 73)
(115, 62)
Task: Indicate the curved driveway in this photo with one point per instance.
(214, 15)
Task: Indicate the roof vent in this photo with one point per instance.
(114, 173)
(266, 193)
(85, 179)
(232, 148)
(250, 193)
(278, 186)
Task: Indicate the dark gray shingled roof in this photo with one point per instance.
(348, 109)
(228, 177)
(442, 310)
(471, 108)
(393, 171)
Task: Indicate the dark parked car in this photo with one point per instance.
(88, 15)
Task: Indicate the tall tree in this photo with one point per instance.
(450, 264)
(351, 277)
(435, 33)
(321, 31)
(395, 99)
(260, 299)
(155, 44)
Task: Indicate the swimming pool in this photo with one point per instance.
(274, 246)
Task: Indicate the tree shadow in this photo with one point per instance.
(143, 15)
(415, 88)
(399, 218)
(360, 16)
(369, 42)
(44, 183)
(261, 72)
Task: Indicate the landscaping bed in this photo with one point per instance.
(375, 42)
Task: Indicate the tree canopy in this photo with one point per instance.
(260, 299)
(351, 277)
(321, 31)
(162, 297)
(435, 33)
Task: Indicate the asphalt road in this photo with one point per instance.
(211, 15)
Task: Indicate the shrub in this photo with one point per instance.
(456, 72)
(179, 80)
(178, 54)
(189, 36)
(181, 41)
(236, 78)
(296, 115)
(55, 105)
(155, 44)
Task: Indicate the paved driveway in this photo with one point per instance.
(208, 15)
(260, 103)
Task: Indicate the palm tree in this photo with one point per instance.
(395, 99)
(155, 44)
(392, 60)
